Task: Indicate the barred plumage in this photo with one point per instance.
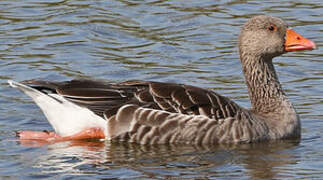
(149, 112)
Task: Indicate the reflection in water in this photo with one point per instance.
(269, 160)
(260, 160)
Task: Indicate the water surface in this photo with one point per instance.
(192, 42)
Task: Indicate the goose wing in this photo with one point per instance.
(106, 98)
(153, 112)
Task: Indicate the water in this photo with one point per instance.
(192, 42)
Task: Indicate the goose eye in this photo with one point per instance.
(272, 28)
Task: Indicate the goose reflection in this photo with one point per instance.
(116, 159)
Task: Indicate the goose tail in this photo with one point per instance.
(64, 116)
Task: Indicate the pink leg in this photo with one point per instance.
(37, 135)
(90, 133)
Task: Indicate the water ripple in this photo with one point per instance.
(192, 42)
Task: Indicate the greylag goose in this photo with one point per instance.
(149, 112)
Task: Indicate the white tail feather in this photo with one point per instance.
(65, 117)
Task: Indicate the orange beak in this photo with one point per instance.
(296, 42)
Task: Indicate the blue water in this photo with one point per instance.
(192, 42)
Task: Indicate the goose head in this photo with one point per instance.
(267, 37)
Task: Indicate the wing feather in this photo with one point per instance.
(106, 98)
(152, 112)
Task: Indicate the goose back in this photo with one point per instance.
(154, 112)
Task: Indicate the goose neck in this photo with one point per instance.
(265, 91)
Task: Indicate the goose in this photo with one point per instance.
(148, 112)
